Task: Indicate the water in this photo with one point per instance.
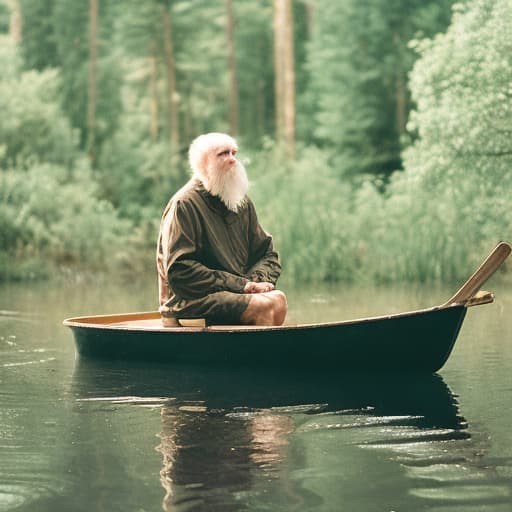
(78, 435)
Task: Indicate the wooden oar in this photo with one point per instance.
(470, 288)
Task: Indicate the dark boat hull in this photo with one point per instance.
(416, 341)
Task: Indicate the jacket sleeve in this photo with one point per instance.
(265, 264)
(187, 276)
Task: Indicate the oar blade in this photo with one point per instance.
(481, 275)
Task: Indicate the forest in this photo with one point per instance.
(377, 134)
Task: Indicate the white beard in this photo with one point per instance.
(229, 185)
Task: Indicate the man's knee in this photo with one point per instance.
(280, 306)
(267, 308)
(275, 308)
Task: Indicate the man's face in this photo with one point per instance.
(225, 158)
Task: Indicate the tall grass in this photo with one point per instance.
(328, 230)
(308, 211)
(324, 228)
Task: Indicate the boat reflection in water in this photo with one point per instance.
(233, 438)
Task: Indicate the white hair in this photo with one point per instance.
(203, 145)
(230, 185)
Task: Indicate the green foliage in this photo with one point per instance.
(201, 63)
(448, 207)
(32, 126)
(254, 46)
(70, 31)
(358, 62)
(200, 41)
(136, 173)
(46, 216)
(50, 212)
(4, 18)
(332, 214)
(137, 27)
(39, 46)
(309, 213)
(199, 44)
(460, 164)
(255, 66)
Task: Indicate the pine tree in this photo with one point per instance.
(358, 61)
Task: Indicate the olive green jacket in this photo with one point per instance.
(204, 248)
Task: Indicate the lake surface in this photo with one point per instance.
(79, 435)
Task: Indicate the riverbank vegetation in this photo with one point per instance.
(377, 138)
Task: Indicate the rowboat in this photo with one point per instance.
(420, 340)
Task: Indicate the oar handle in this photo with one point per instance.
(481, 274)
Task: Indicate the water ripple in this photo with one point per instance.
(25, 363)
(130, 400)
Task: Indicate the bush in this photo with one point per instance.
(51, 213)
(310, 214)
(32, 126)
(44, 216)
(458, 171)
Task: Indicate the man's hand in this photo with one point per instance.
(253, 287)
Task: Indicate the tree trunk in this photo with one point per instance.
(233, 81)
(170, 66)
(15, 21)
(289, 80)
(278, 69)
(153, 92)
(401, 100)
(400, 96)
(260, 108)
(92, 86)
(284, 75)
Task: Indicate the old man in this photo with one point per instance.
(214, 259)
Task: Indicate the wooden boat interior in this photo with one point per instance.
(152, 321)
